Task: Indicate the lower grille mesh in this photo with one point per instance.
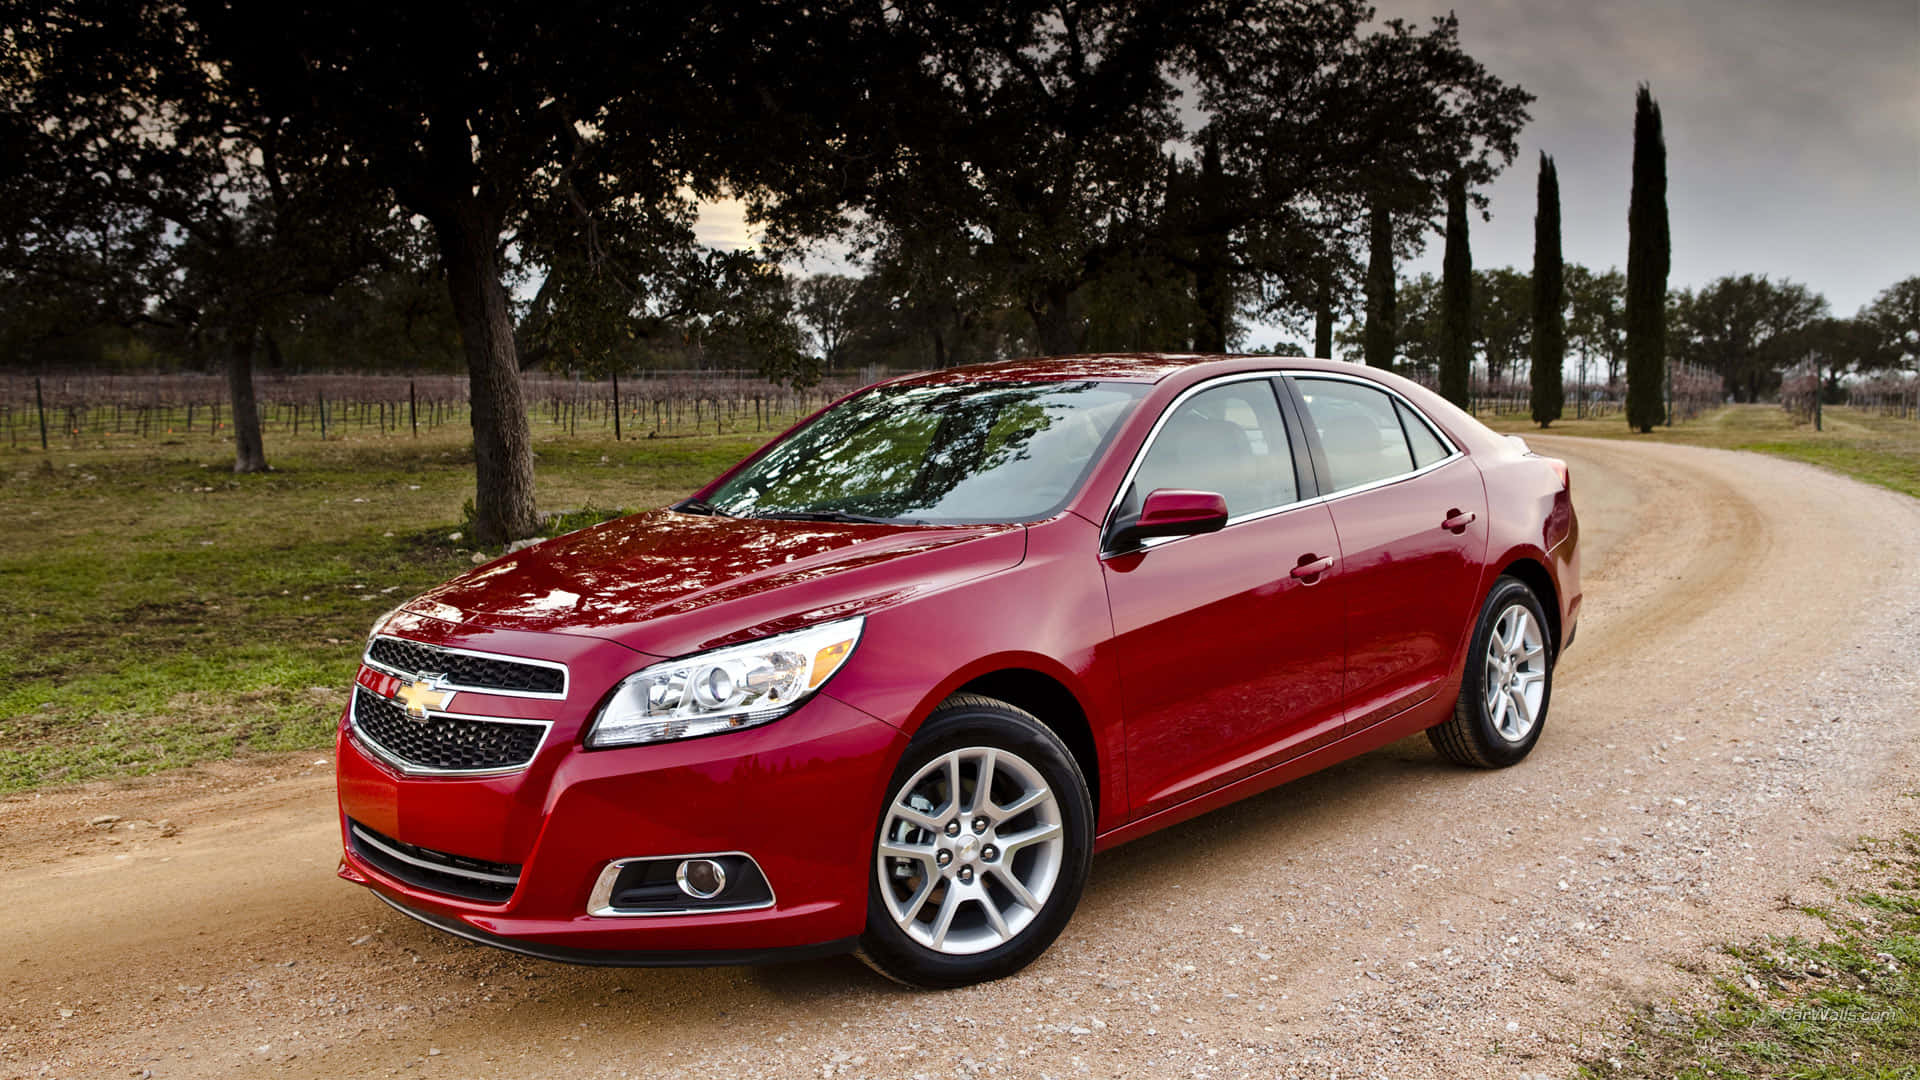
(449, 743)
(436, 871)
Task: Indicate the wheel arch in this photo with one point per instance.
(1053, 703)
(1534, 574)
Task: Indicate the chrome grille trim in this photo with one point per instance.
(368, 839)
(450, 682)
(362, 738)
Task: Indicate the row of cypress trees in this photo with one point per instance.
(1649, 252)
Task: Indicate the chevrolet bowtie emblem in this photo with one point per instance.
(421, 696)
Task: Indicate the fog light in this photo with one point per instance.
(701, 879)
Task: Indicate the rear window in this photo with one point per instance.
(1359, 431)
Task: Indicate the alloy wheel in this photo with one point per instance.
(971, 848)
(1516, 676)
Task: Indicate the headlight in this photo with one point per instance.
(725, 689)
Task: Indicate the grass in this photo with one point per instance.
(1878, 449)
(161, 610)
(1846, 1007)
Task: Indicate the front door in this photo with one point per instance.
(1230, 661)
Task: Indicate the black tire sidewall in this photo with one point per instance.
(955, 727)
(1494, 746)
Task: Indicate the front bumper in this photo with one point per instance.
(800, 795)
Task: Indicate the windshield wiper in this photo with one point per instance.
(700, 506)
(835, 515)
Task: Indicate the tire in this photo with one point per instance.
(919, 869)
(1501, 733)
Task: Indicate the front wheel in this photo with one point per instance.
(1507, 685)
(983, 848)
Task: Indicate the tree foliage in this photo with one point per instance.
(1549, 342)
(1503, 318)
(165, 193)
(1743, 328)
(1649, 257)
(1457, 301)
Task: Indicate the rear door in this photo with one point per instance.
(1411, 515)
(1228, 661)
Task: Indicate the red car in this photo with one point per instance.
(890, 683)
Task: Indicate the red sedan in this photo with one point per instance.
(890, 683)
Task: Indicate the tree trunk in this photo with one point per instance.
(249, 455)
(1323, 321)
(1212, 277)
(502, 445)
(1382, 328)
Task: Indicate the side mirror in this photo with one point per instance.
(1170, 512)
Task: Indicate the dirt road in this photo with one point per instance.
(1740, 702)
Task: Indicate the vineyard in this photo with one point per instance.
(109, 409)
(1694, 389)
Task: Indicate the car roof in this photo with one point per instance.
(1108, 367)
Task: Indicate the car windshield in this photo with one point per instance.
(952, 453)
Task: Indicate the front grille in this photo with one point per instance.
(466, 669)
(444, 743)
(437, 871)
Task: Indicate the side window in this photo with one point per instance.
(1427, 447)
(1359, 431)
(1229, 440)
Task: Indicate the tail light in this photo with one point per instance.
(1560, 469)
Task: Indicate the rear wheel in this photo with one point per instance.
(982, 851)
(1507, 686)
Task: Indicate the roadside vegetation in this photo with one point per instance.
(1878, 449)
(163, 610)
(1843, 1007)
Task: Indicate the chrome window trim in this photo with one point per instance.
(1153, 434)
(366, 838)
(408, 768)
(1453, 450)
(600, 900)
(566, 677)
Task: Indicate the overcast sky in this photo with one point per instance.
(1793, 134)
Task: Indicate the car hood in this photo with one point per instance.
(668, 583)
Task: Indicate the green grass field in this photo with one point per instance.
(161, 610)
(1877, 449)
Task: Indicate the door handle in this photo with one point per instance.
(1458, 520)
(1311, 567)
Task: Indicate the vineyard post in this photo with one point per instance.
(616, 406)
(323, 417)
(41, 403)
(413, 409)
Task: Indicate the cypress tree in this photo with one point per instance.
(1549, 298)
(1456, 299)
(1382, 329)
(1649, 254)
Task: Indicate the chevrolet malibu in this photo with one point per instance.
(891, 682)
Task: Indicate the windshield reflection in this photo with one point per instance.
(987, 452)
